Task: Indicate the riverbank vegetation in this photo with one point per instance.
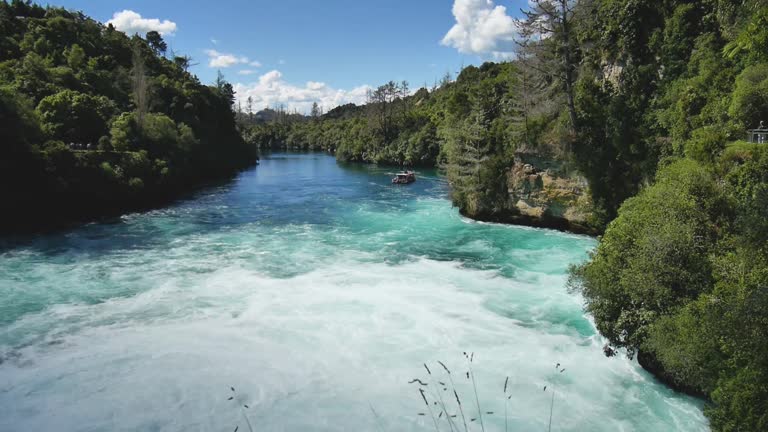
(96, 122)
(649, 101)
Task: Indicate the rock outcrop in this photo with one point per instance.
(542, 194)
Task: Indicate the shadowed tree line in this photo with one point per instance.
(95, 121)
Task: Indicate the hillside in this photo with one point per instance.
(96, 122)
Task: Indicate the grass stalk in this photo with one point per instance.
(445, 409)
(552, 402)
(439, 396)
(377, 417)
(551, 408)
(242, 409)
(458, 400)
(506, 423)
(248, 422)
(431, 413)
(474, 386)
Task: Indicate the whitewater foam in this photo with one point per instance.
(316, 307)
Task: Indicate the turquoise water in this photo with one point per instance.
(317, 290)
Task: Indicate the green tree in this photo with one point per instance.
(75, 117)
(224, 88)
(159, 134)
(156, 42)
(315, 112)
(750, 98)
(706, 144)
(75, 57)
(125, 132)
(16, 110)
(654, 255)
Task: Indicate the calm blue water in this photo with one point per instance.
(317, 290)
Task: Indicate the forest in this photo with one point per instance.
(96, 122)
(649, 101)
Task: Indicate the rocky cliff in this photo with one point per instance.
(541, 193)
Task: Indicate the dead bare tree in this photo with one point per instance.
(546, 32)
(140, 85)
(381, 107)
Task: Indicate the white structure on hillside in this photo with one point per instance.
(759, 135)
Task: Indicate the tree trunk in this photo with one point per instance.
(567, 63)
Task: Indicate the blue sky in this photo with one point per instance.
(295, 52)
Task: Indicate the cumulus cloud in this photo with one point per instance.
(481, 28)
(131, 22)
(271, 90)
(223, 60)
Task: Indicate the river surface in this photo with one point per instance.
(317, 291)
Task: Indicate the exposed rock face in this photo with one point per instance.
(542, 194)
(612, 73)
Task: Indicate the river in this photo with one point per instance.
(316, 290)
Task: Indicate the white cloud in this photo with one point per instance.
(246, 72)
(481, 28)
(131, 22)
(272, 90)
(215, 41)
(218, 59)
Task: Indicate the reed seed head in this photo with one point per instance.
(424, 397)
(458, 401)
